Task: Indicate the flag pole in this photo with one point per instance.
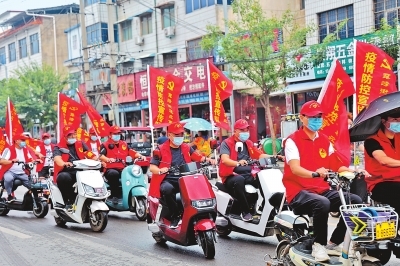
(58, 118)
(150, 113)
(354, 98)
(9, 121)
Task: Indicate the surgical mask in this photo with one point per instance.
(71, 141)
(394, 127)
(47, 141)
(22, 144)
(315, 123)
(243, 136)
(178, 141)
(94, 138)
(116, 137)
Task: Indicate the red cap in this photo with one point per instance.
(241, 124)
(115, 129)
(92, 131)
(311, 108)
(21, 137)
(45, 135)
(175, 128)
(68, 130)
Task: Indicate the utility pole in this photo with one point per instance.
(113, 70)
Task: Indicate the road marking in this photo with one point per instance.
(14, 233)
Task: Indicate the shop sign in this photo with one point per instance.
(199, 97)
(194, 74)
(343, 50)
(290, 117)
(125, 90)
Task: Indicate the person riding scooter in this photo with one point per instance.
(94, 142)
(64, 174)
(173, 153)
(45, 152)
(111, 151)
(234, 171)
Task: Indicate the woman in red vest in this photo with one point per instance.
(382, 161)
(307, 151)
(45, 152)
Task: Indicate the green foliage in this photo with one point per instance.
(382, 40)
(33, 91)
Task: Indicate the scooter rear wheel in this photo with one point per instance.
(3, 209)
(101, 221)
(207, 244)
(42, 209)
(60, 222)
(383, 255)
(223, 231)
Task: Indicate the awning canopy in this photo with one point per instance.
(147, 55)
(148, 11)
(122, 20)
(174, 50)
(300, 87)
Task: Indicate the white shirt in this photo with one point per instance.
(15, 168)
(95, 149)
(49, 154)
(292, 152)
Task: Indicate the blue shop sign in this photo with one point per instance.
(198, 97)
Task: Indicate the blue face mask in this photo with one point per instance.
(243, 136)
(178, 141)
(315, 123)
(22, 144)
(394, 127)
(47, 141)
(71, 141)
(116, 137)
(94, 138)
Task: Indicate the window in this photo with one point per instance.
(194, 50)
(329, 22)
(126, 28)
(146, 24)
(116, 34)
(147, 61)
(192, 5)
(97, 33)
(3, 55)
(11, 52)
(302, 4)
(168, 16)
(387, 9)
(23, 50)
(74, 80)
(74, 42)
(34, 39)
(169, 59)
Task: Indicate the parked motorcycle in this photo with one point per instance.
(197, 205)
(89, 205)
(32, 201)
(134, 191)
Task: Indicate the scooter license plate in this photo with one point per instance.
(385, 230)
(99, 190)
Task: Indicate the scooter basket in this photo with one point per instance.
(367, 224)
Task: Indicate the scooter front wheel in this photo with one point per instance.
(42, 208)
(98, 221)
(3, 209)
(207, 243)
(141, 209)
(383, 255)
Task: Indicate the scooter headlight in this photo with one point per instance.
(207, 203)
(136, 170)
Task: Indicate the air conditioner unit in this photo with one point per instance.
(169, 32)
(139, 40)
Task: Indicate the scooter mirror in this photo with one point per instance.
(213, 144)
(239, 146)
(128, 159)
(111, 146)
(64, 150)
(157, 154)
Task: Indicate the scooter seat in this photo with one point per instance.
(221, 187)
(276, 199)
(16, 184)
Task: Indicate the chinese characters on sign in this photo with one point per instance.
(125, 90)
(82, 135)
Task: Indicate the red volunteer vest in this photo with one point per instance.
(13, 155)
(225, 171)
(381, 173)
(313, 155)
(65, 157)
(120, 152)
(43, 152)
(165, 161)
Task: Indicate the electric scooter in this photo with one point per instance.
(134, 191)
(197, 204)
(31, 201)
(89, 205)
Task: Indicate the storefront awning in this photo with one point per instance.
(147, 55)
(174, 50)
(299, 87)
(148, 11)
(123, 109)
(122, 20)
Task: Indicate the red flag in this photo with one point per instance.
(82, 135)
(336, 88)
(69, 112)
(3, 142)
(221, 88)
(373, 74)
(13, 125)
(164, 91)
(101, 127)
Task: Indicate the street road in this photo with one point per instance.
(27, 240)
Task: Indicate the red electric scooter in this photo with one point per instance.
(197, 205)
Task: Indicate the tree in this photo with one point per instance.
(258, 56)
(33, 91)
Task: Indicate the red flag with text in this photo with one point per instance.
(82, 135)
(13, 126)
(69, 112)
(336, 88)
(3, 141)
(101, 127)
(164, 92)
(221, 88)
(373, 74)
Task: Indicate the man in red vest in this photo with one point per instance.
(307, 152)
(173, 153)
(112, 150)
(45, 152)
(10, 170)
(94, 143)
(234, 171)
(382, 160)
(66, 177)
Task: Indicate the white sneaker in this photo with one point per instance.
(333, 249)
(319, 252)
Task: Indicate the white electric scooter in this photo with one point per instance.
(89, 205)
(262, 225)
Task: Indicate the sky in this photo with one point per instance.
(22, 5)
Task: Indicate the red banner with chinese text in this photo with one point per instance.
(221, 88)
(3, 142)
(164, 93)
(69, 112)
(374, 75)
(99, 124)
(125, 90)
(13, 126)
(336, 88)
(82, 135)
